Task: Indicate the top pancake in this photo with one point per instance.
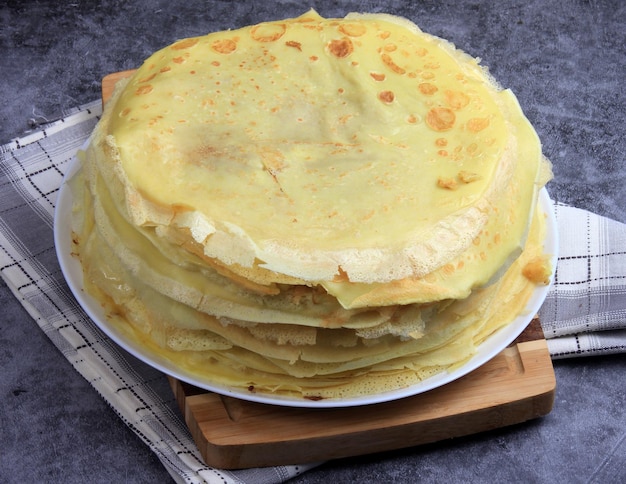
(342, 152)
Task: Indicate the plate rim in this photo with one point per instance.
(492, 346)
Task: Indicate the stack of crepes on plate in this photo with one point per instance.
(318, 208)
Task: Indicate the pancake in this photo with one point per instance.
(317, 207)
(190, 115)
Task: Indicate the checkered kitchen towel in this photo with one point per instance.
(585, 313)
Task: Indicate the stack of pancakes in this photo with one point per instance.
(323, 208)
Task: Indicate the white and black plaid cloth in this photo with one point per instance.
(584, 314)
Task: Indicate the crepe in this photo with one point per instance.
(320, 207)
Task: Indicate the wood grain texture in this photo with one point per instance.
(109, 81)
(517, 385)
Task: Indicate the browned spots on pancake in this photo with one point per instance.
(345, 118)
(273, 163)
(440, 119)
(341, 47)
(427, 88)
(447, 183)
(386, 96)
(145, 89)
(448, 269)
(468, 176)
(456, 99)
(353, 30)
(341, 276)
(293, 43)
(537, 270)
(389, 62)
(184, 44)
(207, 151)
(154, 120)
(477, 124)
(268, 32)
(273, 160)
(377, 76)
(148, 78)
(317, 28)
(224, 46)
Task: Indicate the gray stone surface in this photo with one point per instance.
(566, 63)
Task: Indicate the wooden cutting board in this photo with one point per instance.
(109, 81)
(517, 385)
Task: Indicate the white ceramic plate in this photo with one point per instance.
(491, 347)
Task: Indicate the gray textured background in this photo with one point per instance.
(566, 63)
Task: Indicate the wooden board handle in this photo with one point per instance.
(109, 81)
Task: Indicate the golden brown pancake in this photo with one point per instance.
(326, 207)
